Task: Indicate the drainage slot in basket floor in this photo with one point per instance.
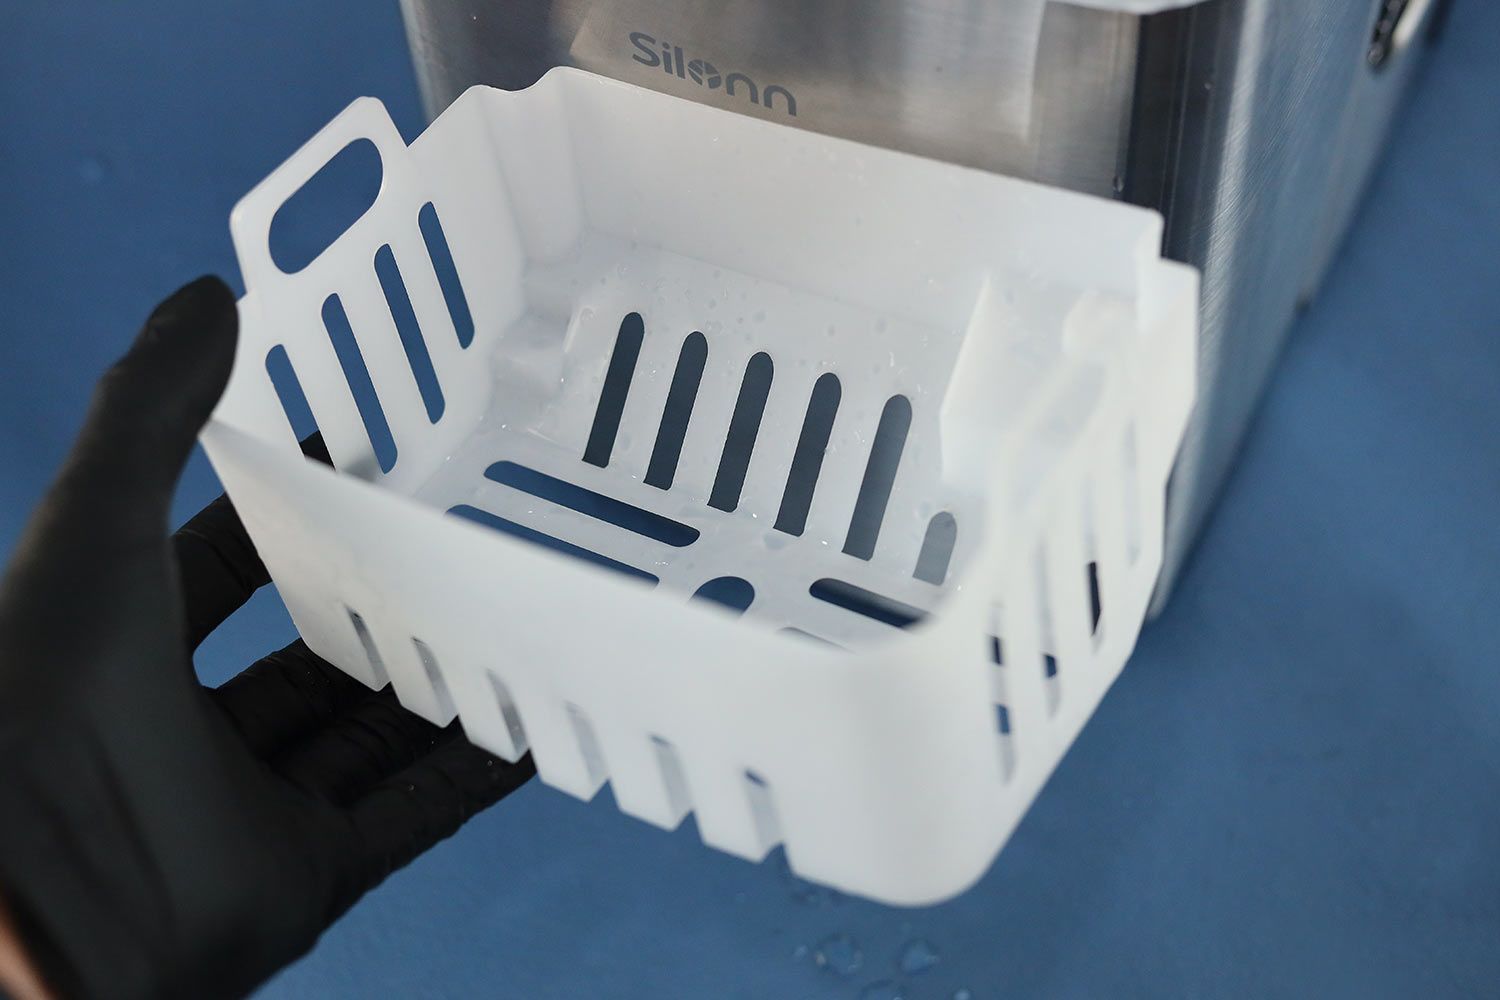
(616, 388)
(807, 460)
(937, 548)
(596, 505)
(677, 412)
(878, 607)
(744, 427)
(880, 477)
(732, 592)
(546, 541)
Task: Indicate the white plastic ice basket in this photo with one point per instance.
(903, 428)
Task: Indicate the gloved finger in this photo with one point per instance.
(359, 749)
(409, 812)
(218, 566)
(145, 416)
(285, 697)
(217, 563)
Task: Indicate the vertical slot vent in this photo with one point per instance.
(341, 335)
(367, 642)
(1096, 606)
(447, 274)
(435, 678)
(509, 714)
(288, 388)
(399, 302)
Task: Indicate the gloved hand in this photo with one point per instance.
(157, 838)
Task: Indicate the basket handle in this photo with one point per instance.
(250, 221)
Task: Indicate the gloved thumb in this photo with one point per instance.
(150, 405)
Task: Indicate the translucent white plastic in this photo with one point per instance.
(1011, 366)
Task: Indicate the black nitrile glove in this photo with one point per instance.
(158, 839)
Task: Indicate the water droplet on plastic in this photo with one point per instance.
(883, 989)
(918, 956)
(622, 270)
(585, 314)
(839, 954)
(774, 540)
(800, 952)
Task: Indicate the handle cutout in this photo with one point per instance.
(326, 206)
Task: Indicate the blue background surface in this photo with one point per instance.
(1294, 789)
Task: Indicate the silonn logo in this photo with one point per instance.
(706, 74)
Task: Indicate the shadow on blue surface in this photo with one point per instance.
(1292, 789)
